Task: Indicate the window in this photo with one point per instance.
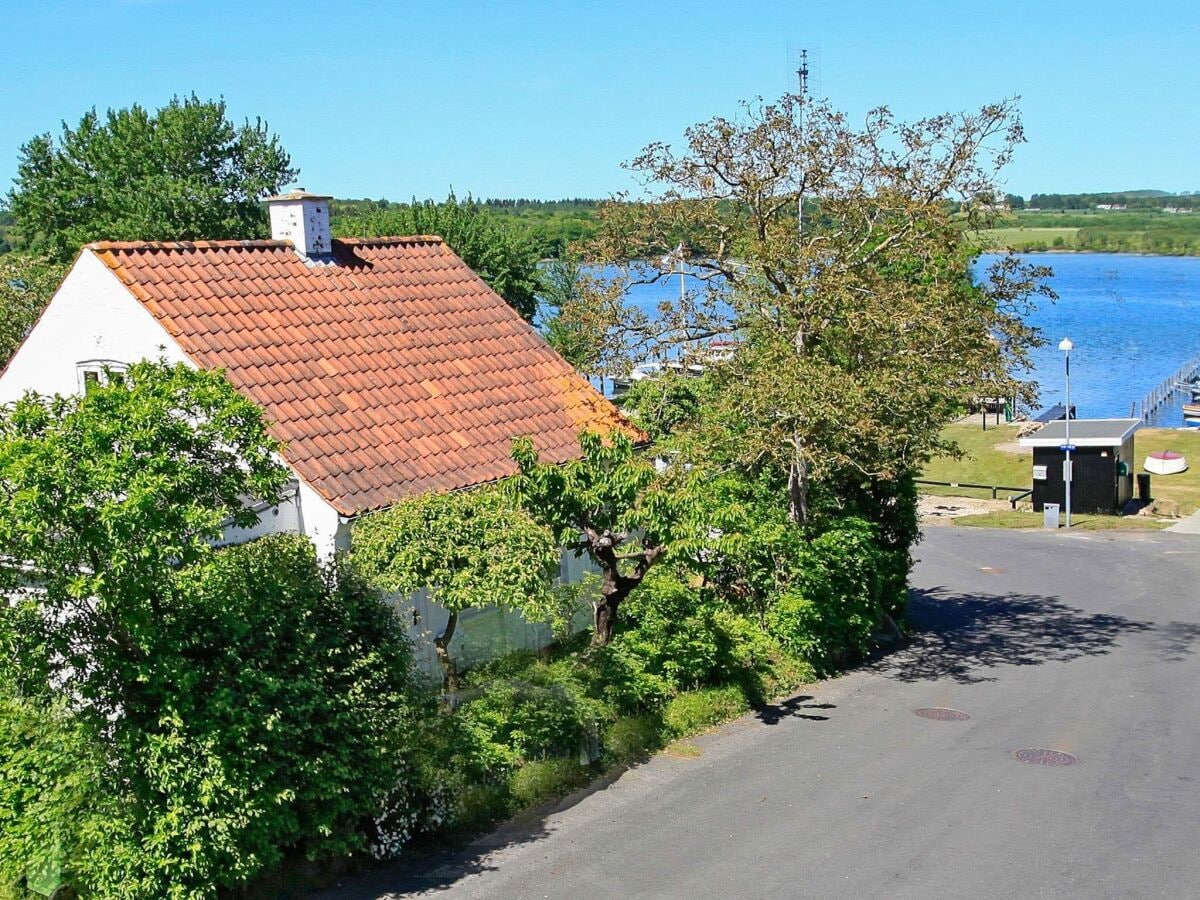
(95, 372)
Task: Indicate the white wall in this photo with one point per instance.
(486, 633)
(93, 316)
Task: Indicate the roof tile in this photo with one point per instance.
(391, 370)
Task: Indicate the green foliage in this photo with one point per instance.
(603, 490)
(860, 334)
(632, 738)
(660, 405)
(545, 780)
(469, 549)
(691, 637)
(185, 716)
(694, 711)
(838, 597)
(26, 285)
(254, 649)
(184, 172)
(561, 297)
(515, 721)
(52, 773)
(598, 503)
(501, 255)
(103, 497)
(550, 226)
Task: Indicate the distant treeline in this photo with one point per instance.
(1128, 199)
(550, 225)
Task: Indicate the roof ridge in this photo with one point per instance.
(187, 245)
(391, 239)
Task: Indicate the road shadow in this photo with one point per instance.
(791, 708)
(1173, 641)
(962, 636)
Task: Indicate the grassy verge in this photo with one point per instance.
(1024, 519)
(984, 462)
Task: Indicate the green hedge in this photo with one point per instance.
(286, 721)
(278, 703)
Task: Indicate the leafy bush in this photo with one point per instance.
(631, 738)
(694, 711)
(690, 637)
(266, 710)
(530, 715)
(838, 598)
(546, 779)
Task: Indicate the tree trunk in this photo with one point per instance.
(615, 586)
(604, 611)
(798, 487)
(604, 618)
(441, 646)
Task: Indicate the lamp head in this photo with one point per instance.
(1065, 345)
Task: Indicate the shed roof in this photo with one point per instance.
(1084, 433)
(388, 370)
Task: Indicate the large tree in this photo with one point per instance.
(862, 332)
(184, 172)
(501, 254)
(26, 285)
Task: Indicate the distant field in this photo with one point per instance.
(1023, 238)
(1134, 231)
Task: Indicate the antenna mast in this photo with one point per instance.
(802, 75)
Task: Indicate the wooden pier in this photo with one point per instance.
(1182, 380)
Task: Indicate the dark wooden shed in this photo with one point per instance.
(1102, 459)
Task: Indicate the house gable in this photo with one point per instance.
(91, 319)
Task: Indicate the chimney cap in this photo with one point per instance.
(297, 194)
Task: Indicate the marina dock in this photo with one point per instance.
(1182, 381)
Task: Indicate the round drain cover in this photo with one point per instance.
(943, 715)
(1040, 757)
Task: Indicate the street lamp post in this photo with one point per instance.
(1066, 347)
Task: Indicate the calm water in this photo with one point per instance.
(1134, 320)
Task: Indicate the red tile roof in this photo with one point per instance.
(390, 370)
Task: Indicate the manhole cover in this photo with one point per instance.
(1040, 757)
(943, 715)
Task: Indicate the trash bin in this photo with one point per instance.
(1143, 486)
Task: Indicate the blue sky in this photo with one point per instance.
(402, 99)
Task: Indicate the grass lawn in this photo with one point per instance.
(984, 464)
(988, 463)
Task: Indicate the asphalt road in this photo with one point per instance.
(1085, 645)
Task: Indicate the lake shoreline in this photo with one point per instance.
(1069, 252)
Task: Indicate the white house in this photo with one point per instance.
(385, 366)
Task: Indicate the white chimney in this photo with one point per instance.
(303, 219)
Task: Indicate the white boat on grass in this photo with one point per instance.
(1165, 462)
